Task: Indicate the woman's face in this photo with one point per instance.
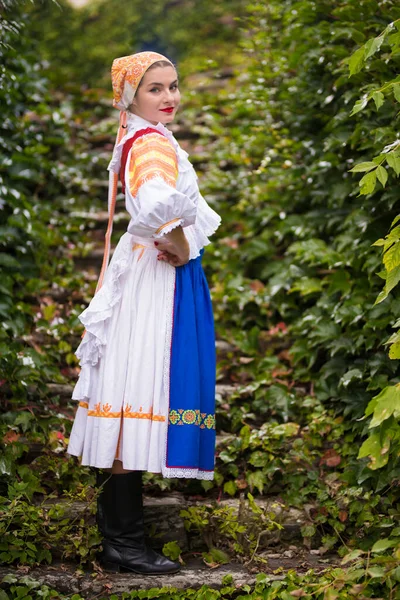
(158, 96)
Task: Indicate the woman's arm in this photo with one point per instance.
(174, 248)
(157, 208)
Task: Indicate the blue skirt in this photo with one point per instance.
(191, 415)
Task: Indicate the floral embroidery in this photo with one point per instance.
(192, 417)
(174, 417)
(84, 404)
(208, 421)
(152, 156)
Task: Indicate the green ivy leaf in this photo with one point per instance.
(172, 550)
(396, 91)
(350, 376)
(392, 279)
(391, 258)
(394, 351)
(359, 105)
(353, 555)
(394, 162)
(367, 183)
(379, 99)
(372, 46)
(230, 488)
(356, 61)
(387, 403)
(382, 175)
(9, 578)
(375, 572)
(382, 545)
(372, 448)
(215, 556)
(307, 285)
(363, 167)
(256, 479)
(308, 531)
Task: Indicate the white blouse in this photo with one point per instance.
(158, 204)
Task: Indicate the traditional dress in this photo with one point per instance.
(146, 389)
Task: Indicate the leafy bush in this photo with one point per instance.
(294, 269)
(281, 179)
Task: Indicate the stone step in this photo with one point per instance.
(100, 219)
(90, 585)
(164, 523)
(92, 261)
(161, 514)
(290, 518)
(64, 390)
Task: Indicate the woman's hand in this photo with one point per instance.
(173, 248)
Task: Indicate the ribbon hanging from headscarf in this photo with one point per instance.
(126, 75)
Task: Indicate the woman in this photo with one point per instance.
(146, 390)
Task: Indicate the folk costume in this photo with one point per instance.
(146, 389)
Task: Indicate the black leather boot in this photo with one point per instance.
(120, 521)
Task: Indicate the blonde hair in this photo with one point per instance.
(159, 63)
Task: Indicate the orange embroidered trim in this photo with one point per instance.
(105, 411)
(140, 415)
(84, 404)
(165, 224)
(152, 156)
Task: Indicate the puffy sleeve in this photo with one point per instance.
(152, 199)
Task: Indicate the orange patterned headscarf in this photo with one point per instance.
(126, 74)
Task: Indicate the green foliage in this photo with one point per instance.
(236, 530)
(361, 580)
(280, 179)
(34, 533)
(383, 443)
(172, 550)
(375, 169)
(128, 27)
(297, 251)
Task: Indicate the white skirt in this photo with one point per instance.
(119, 414)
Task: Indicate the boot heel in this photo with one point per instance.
(110, 567)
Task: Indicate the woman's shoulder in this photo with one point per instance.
(146, 142)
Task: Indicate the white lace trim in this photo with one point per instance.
(95, 318)
(169, 227)
(197, 236)
(189, 473)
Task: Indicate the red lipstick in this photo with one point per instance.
(168, 110)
